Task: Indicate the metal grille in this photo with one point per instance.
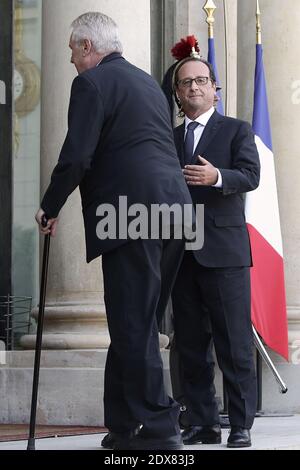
(14, 319)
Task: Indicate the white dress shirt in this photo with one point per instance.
(203, 120)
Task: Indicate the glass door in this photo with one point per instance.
(26, 156)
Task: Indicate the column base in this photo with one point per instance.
(68, 341)
(71, 326)
(75, 326)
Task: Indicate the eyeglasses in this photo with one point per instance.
(187, 82)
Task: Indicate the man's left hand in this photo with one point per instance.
(204, 174)
(51, 224)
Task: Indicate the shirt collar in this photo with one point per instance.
(109, 57)
(202, 119)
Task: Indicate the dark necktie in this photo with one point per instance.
(189, 143)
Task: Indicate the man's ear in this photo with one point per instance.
(86, 46)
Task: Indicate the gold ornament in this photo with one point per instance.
(26, 74)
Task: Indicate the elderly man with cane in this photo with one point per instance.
(120, 143)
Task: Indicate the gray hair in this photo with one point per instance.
(100, 29)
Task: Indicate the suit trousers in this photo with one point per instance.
(212, 306)
(138, 278)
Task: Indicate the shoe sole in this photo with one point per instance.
(204, 441)
(236, 446)
(155, 444)
(179, 447)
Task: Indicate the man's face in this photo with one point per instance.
(195, 99)
(79, 56)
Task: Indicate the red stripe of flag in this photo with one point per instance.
(268, 294)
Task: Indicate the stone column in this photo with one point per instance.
(75, 314)
(280, 26)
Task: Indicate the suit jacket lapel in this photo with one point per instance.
(209, 133)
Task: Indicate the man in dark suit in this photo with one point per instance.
(120, 143)
(211, 296)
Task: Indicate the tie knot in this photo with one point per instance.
(192, 125)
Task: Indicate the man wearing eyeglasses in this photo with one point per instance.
(211, 296)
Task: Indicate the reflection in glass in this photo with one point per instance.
(26, 164)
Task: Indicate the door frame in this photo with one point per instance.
(6, 148)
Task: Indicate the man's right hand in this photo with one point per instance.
(51, 224)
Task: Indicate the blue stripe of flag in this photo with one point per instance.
(261, 119)
(211, 57)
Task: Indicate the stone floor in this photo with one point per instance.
(268, 433)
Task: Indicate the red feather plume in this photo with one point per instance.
(183, 49)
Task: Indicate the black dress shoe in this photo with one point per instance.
(202, 434)
(139, 442)
(109, 440)
(239, 437)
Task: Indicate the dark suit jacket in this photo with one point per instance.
(119, 143)
(229, 145)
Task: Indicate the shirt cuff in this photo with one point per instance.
(219, 182)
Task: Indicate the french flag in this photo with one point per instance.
(268, 303)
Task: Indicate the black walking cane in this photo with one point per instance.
(39, 335)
